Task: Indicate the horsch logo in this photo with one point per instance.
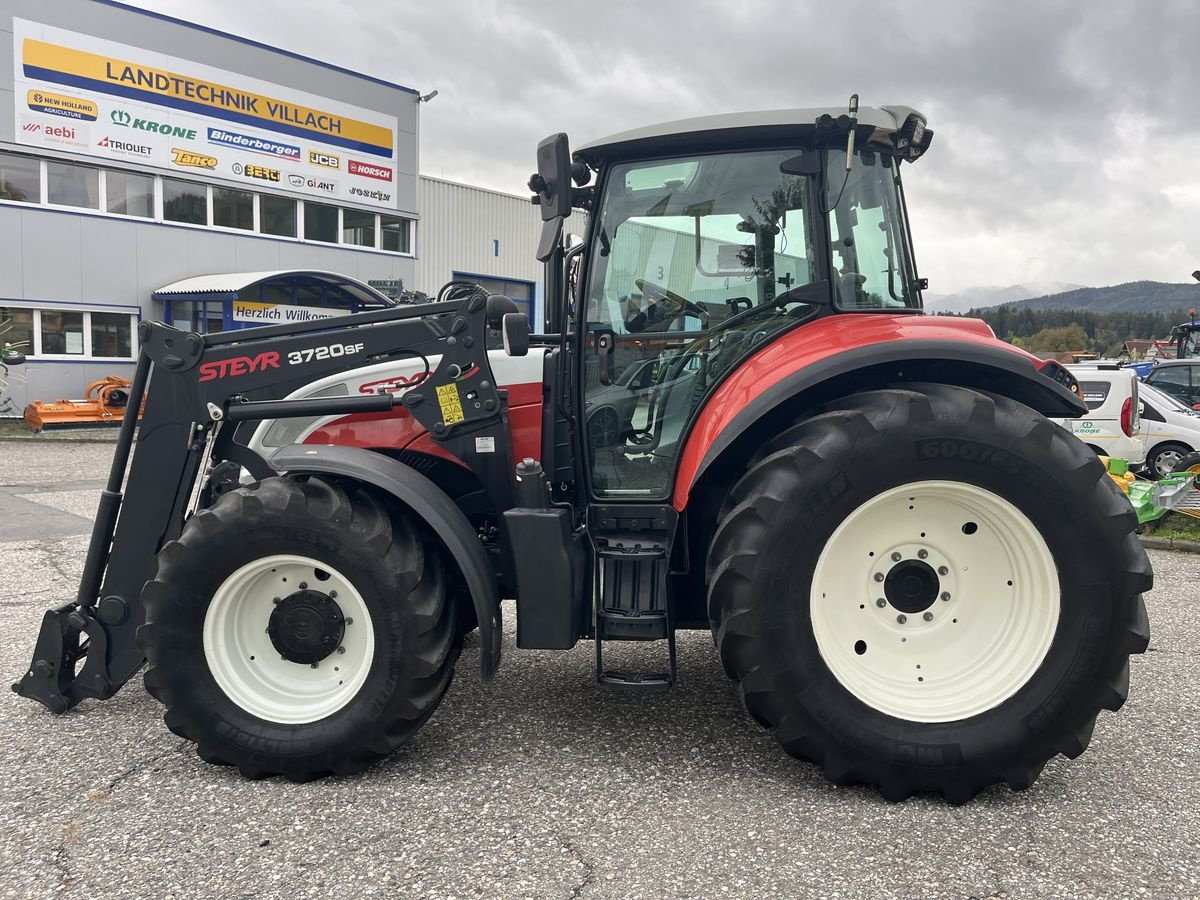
(369, 170)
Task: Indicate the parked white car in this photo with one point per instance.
(1112, 429)
(1170, 429)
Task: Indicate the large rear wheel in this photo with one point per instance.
(299, 627)
(928, 589)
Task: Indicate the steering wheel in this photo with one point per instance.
(664, 306)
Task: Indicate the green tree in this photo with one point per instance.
(1065, 337)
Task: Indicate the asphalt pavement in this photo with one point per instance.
(541, 785)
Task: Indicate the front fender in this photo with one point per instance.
(428, 502)
(844, 354)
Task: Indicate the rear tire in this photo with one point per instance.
(1189, 464)
(912, 696)
(1162, 460)
(252, 673)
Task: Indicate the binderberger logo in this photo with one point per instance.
(121, 117)
(193, 159)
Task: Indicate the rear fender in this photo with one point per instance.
(431, 504)
(752, 404)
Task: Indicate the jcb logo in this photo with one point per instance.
(328, 160)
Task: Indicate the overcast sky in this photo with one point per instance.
(1062, 129)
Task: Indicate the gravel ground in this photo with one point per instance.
(541, 785)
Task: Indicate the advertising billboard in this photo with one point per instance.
(87, 95)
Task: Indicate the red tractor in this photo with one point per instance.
(736, 418)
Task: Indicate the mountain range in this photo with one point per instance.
(1134, 296)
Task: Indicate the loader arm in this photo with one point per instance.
(197, 388)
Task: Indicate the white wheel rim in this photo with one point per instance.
(959, 656)
(248, 667)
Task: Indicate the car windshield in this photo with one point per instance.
(1165, 400)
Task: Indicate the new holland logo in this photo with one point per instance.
(193, 159)
(62, 105)
(328, 160)
(121, 117)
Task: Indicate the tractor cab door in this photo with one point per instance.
(696, 261)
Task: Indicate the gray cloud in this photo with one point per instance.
(1065, 130)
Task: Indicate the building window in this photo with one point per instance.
(70, 185)
(358, 228)
(16, 328)
(20, 179)
(395, 234)
(62, 333)
(233, 209)
(320, 222)
(185, 202)
(129, 194)
(112, 335)
(277, 215)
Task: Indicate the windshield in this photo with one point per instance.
(1165, 400)
(872, 265)
(696, 262)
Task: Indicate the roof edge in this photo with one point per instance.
(258, 44)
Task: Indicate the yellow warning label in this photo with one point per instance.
(450, 403)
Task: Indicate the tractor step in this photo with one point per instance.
(633, 550)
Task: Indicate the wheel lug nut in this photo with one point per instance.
(276, 600)
(304, 585)
(901, 619)
(881, 603)
(333, 595)
(341, 650)
(314, 665)
(896, 557)
(928, 617)
(922, 554)
(349, 621)
(942, 570)
(945, 595)
(879, 576)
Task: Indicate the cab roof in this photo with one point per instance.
(736, 128)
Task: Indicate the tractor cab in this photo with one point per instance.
(708, 239)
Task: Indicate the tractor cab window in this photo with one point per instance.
(698, 261)
(871, 264)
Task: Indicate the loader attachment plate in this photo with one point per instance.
(51, 675)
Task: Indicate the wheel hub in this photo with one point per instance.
(911, 586)
(306, 627)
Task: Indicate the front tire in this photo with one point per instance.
(299, 627)
(1009, 574)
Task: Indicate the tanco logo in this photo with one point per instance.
(120, 117)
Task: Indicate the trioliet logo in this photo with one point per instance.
(121, 117)
(328, 160)
(123, 146)
(369, 170)
(193, 159)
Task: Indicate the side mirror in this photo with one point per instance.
(12, 357)
(497, 307)
(807, 163)
(515, 331)
(553, 179)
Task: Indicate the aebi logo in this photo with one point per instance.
(239, 365)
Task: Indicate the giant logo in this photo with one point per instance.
(368, 170)
(121, 117)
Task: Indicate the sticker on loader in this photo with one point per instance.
(450, 403)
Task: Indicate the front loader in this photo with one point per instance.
(735, 417)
